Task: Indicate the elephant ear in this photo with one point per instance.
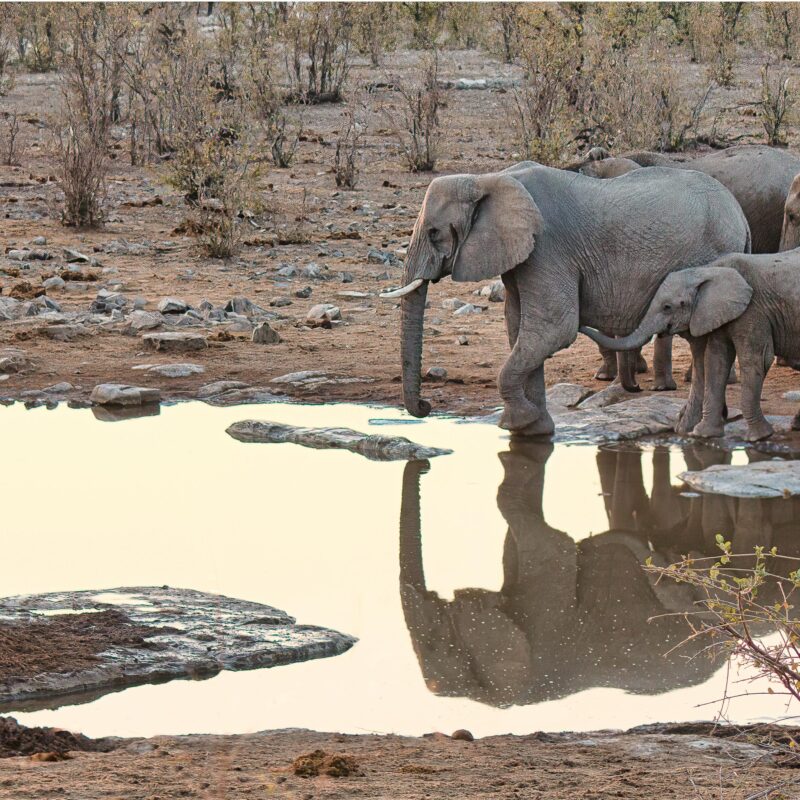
(505, 222)
(722, 295)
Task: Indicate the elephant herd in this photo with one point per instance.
(622, 249)
(577, 612)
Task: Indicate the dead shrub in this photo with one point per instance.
(416, 126)
(9, 135)
(38, 28)
(781, 26)
(345, 165)
(6, 49)
(376, 29)
(775, 104)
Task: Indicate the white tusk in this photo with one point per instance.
(404, 290)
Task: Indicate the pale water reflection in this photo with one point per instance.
(507, 610)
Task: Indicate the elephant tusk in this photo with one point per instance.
(413, 286)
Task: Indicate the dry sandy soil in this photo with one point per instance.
(594, 766)
(380, 213)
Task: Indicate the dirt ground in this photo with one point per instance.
(593, 766)
(139, 246)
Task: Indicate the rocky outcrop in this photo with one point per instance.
(778, 478)
(195, 635)
(374, 447)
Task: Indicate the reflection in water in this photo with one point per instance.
(575, 615)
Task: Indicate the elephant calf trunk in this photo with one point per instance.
(413, 313)
(639, 338)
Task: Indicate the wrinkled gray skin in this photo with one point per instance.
(739, 305)
(790, 232)
(572, 250)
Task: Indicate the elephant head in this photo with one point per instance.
(609, 167)
(697, 300)
(790, 233)
(471, 227)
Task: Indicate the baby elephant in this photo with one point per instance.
(745, 305)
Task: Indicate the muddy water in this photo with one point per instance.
(499, 589)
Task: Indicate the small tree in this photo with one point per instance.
(345, 165)
(775, 104)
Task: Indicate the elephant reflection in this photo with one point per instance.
(575, 615)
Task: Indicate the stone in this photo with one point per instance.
(287, 272)
(9, 308)
(17, 255)
(39, 241)
(219, 387)
(462, 340)
(74, 256)
(372, 446)
(241, 305)
(144, 321)
(120, 394)
(238, 324)
(293, 378)
(303, 293)
(793, 396)
(381, 257)
(54, 283)
(65, 333)
(346, 277)
(173, 305)
(107, 301)
(314, 271)
(322, 313)
(614, 393)
(280, 302)
(12, 361)
(452, 304)
(494, 291)
(177, 370)
(467, 308)
(175, 342)
(351, 295)
(194, 635)
(462, 735)
(265, 334)
(58, 388)
(567, 394)
(436, 374)
(777, 478)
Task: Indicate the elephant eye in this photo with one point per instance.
(433, 233)
(667, 307)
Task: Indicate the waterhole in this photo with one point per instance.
(498, 589)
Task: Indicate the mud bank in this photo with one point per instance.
(656, 761)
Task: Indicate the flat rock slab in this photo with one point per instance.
(777, 478)
(175, 342)
(120, 394)
(374, 447)
(196, 635)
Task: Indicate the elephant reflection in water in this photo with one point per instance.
(575, 615)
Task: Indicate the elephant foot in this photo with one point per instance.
(641, 365)
(517, 418)
(687, 376)
(664, 385)
(796, 422)
(687, 422)
(604, 374)
(633, 388)
(544, 426)
(708, 430)
(758, 431)
(732, 376)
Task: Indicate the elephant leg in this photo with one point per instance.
(754, 366)
(608, 370)
(641, 363)
(732, 377)
(719, 358)
(626, 369)
(687, 376)
(796, 422)
(662, 365)
(692, 412)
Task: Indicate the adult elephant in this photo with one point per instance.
(572, 251)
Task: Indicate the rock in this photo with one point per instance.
(120, 394)
(495, 291)
(374, 447)
(614, 393)
(793, 396)
(303, 293)
(314, 271)
(175, 342)
(219, 387)
(173, 305)
(12, 361)
(466, 309)
(39, 241)
(778, 478)
(9, 308)
(107, 301)
(54, 283)
(287, 272)
(238, 324)
(58, 388)
(452, 304)
(436, 374)
(265, 334)
(177, 370)
(65, 333)
(462, 340)
(306, 376)
(188, 634)
(346, 277)
(381, 257)
(280, 302)
(241, 305)
(318, 762)
(25, 290)
(351, 295)
(17, 255)
(462, 735)
(144, 321)
(567, 394)
(322, 313)
(73, 256)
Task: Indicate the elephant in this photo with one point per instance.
(571, 250)
(738, 305)
(790, 231)
(577, 611)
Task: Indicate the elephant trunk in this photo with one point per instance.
(790, 236)
(638, 338)
(411, 350)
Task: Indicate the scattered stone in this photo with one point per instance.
(58, 388)
(145, 321)
(793, 396)
(175, 342)
(318, 762)
(180, 634)
(381, 257)
(239, 324)
(462, 735)
(25, 291)
(173, 305)
(39, 241)
(177, 370)
(452, 304)
(436, 374)
(65, 333)
(495, 291)
(303, 293)
(323, 313)
(462, 340)
(74, 274)
(219, 387)
(467, 308)
(314, 271)
(287, 272)
(54, 283)
(567, 394)
(614, 393)
(280, 302)
(73, 256)
(296, 378)
(778, 478)
(9, 308)
(17, 255)
(120, 394)
(351, 295)
(107, 301)
(346, 277)
(265, 334)
(374, 447)
(241, 305)
(12, 361)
